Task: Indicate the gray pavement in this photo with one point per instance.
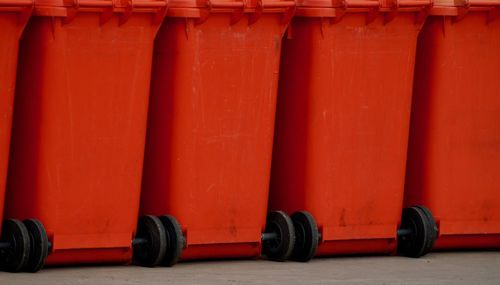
(435, 268)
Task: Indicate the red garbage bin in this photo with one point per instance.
(13, 17)
(454, 152)
(342, 128)
(79, 132)
(210, 130)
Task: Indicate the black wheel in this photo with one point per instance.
(175, 240)
(39, 243)
(421, 232)
(280, 247)
(150, 250)
(306, 236)
(15, 257)
(430, 217)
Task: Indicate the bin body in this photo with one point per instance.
(79, 132)
(13, 17)
(210, 130)
(454, 152)
(342, 127)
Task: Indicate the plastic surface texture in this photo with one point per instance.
(342, 125)
(454, 153)
(79, 130)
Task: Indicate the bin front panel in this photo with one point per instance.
(454, 156)
(342, 127)
(10, 31)
(79, 131)
(210, 129)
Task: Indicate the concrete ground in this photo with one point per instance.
(435, 268)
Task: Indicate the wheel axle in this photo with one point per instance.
(404, 232)
(139, 241)
(269, 236)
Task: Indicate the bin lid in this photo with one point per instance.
(340, 3)
(6, 5)
(467, 3)
(370, 4)
(230, 4)
(68, 8)
(92, 3)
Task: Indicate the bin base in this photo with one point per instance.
(357, 247)
(222, 251)
(90, 256)
(454, 242)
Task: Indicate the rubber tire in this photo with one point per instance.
(175, 240)
(424, 232)
(306, 236)
(279, 249)
(432, 221)
(39, 242)
(14, 258)
(151, 253)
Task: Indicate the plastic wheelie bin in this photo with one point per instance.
(210, 130)
(79, 131)
(454, 151)
(14, 236)
(342, 127)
